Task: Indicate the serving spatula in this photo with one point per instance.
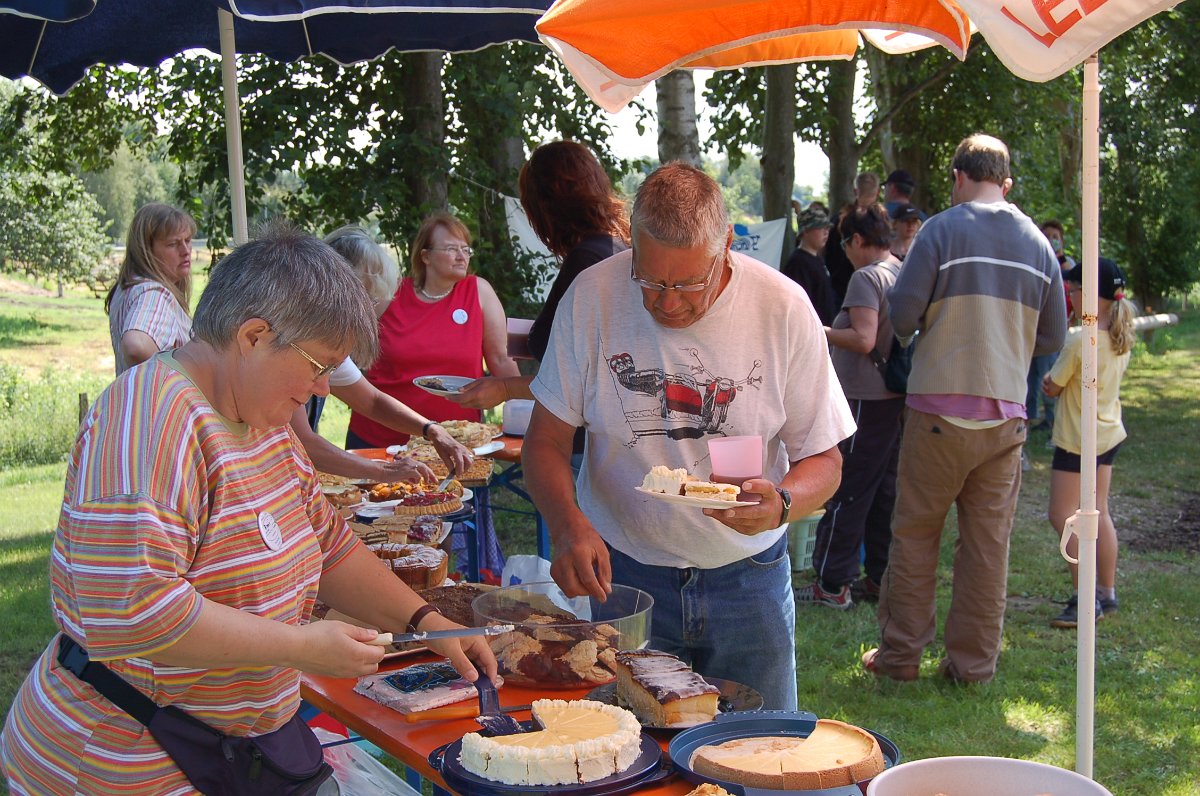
(493, 720)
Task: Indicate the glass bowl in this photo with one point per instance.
(559, 641)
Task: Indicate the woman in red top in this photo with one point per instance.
(442, 321)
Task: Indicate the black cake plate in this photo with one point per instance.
(748, 724)
(650, 767)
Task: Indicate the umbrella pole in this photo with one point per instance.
(233, 127)
(1088, 519)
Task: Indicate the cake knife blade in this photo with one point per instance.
(445, 481)
(466, 710)
(384, 639)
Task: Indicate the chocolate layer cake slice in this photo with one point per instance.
(662, 690)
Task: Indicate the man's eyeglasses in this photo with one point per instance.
(465, 251)
(658, 287)
(322, 370)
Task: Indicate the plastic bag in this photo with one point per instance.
(533, 569)
(525, 569)
(359, 774)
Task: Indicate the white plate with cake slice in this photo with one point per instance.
(734, 697)
(694, 502)
(442, 385)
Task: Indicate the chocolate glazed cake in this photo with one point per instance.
(663, 690)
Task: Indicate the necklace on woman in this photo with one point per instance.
(438, 297)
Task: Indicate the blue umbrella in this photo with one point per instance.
(56, 41)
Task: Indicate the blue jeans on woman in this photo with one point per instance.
(736, 622)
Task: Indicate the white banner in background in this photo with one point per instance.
(761, 241)
(527, 239)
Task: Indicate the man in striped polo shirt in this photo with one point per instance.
(982, 286)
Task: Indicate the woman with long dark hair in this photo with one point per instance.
(573, 208)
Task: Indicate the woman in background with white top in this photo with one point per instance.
(149, 306)
(380, 275)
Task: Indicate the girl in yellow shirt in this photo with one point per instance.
(1115, 316)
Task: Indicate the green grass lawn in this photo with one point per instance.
(1147, 737)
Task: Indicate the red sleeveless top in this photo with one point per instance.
(417, 339)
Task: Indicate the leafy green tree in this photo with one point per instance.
(51, 229)
(1150, 175)
(51, 226)
(376, 141)
(133, 178)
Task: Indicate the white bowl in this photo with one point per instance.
(981, 776)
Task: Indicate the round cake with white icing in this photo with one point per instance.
(579, 741)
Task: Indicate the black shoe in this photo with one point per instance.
(1069, 617)
(865, 590)
(1109, 605)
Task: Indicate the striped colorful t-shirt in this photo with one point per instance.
(151, 308)
(167, 504)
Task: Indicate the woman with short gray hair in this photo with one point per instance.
(194, 541)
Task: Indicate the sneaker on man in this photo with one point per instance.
(1109, 605)
(1069, 617)
(813, 594)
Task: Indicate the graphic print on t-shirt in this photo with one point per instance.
(689, 403)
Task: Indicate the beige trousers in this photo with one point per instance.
(978, 471)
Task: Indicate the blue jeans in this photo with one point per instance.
(736, 622)
(1038, 368)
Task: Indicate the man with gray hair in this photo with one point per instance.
(982, 286)
(654, 352)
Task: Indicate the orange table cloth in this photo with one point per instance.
(412, 743)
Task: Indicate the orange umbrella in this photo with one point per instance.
(616, 47)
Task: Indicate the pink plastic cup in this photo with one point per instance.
(736, 460)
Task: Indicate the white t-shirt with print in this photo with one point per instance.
(756, 363)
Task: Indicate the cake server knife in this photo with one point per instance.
(384, 639)
(445, 481)
(465, 710)
(490, 717)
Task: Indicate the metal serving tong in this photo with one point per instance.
(491, 717)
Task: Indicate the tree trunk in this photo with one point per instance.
(505, 159)
(841, 147)
(678, 133)
(424, 120)
(1070, 155)
(878, 62)
(779, 151)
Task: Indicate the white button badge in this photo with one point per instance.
(269, 528)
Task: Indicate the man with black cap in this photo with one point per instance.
(806, 265)
(897, 193)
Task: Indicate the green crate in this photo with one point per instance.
(802, 538)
